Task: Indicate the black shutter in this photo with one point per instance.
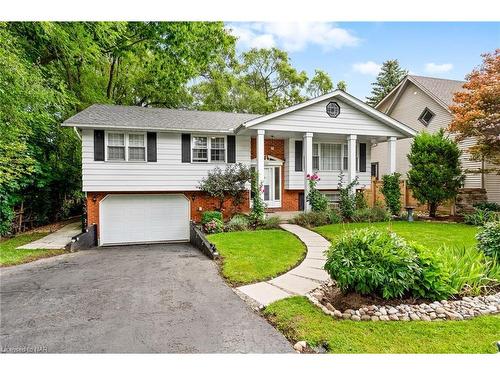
(231, 149)
(152, 147)
(99, 145)
(186, 148)
(362, 157)
(298, 156)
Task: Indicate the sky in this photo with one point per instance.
(354, 51)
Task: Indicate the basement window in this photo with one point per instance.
(426, 116)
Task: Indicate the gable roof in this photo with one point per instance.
(349, 99)
(439, 89)
(133, 117)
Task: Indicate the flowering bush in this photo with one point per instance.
(315, 198)
(214, 226)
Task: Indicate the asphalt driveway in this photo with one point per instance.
(141, 299)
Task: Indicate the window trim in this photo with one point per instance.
(320, 164)
(209, 149)
(126, 142)
(421, 117)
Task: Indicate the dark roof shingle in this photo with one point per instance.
(442, 89)
(105, 115)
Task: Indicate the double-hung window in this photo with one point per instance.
(116, 146)
(217, 149)
(208, 149)
(330, 157)
(315, 157)
(136, 147)
(200, 149)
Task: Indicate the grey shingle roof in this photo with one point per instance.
(104, 115)
(442, 89)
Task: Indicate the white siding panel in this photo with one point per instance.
(167, 174)
(315, 119)
(492, 185)
(472, 180)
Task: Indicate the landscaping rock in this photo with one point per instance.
(356, 318)
(300, 346)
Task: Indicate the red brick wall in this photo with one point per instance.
(197, 200)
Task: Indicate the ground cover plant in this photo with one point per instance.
(10, 256)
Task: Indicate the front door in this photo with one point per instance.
(272, 186)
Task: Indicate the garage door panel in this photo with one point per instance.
(143, 218)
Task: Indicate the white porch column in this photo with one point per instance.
(351, 157)
(260, 159)
(308, 165)
(391, 147)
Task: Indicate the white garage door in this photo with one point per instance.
(139, 218)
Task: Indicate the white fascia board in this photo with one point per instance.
(135, 128)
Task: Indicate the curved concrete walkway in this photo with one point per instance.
(300, 280)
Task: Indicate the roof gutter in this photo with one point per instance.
(104, 126)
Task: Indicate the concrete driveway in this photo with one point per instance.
(142, 299)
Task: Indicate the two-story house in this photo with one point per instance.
(141, 166)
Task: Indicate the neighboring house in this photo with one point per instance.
(423, 104)
(141, 166)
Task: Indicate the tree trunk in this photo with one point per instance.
(432, 209)
(110, 79)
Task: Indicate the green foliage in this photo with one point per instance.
(207, 216)
(361, 202)
(258, 206)
(320, 84)
(489, 239)
(388, 78)
(214, 226)
(311, 219)
(391, 191)
(272, 222)
(334, 216)
(237, 223)
(481, 217)
(489, 206)
(227, 183)
(369, 261)
(315, 198)
(435, 174)
(347, 203)
(371, 214)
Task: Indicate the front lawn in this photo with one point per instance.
(252, 256)
(432, 235)
(298, 319)
(10, 256)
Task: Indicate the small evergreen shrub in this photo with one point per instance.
(392, 193)
(258, 206)
(360, 200)
(315, 198)
(237, 223)
(489, 239)
(214, 226)
(369, 261)
(481, 217)
(489, 206)
(311, 219)
(371, 215)
(272, 222)
(209, 215)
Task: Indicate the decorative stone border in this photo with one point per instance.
(466, 308)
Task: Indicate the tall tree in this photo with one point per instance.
(435, 174)
(320, 83)
(389, 76)
(477, 109)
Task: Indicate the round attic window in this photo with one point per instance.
(333, 109)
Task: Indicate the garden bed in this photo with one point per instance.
(357, 307)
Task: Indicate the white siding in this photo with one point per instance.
(329, 179)
(407, 110)
(315, 119)
(492, 185)
(167, 174)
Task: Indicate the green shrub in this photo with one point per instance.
(347, 202)
(209, 215)
(237, 223)
(334, 216)
(258, 206)
(360, 200)
(489, 239)
(371, 215)
(481, 217)
(214, 226)
(489, 206)
(369, 261)
(272, 222)
(434, 279)
(311, 219)
(392, 193)
(315, 198)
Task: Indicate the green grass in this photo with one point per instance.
(259, 255)
(10, 256)
(298, 319)
(431, 235)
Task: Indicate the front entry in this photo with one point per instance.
(272, 186)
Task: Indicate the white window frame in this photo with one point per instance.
(209, 149)
(126, 141)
